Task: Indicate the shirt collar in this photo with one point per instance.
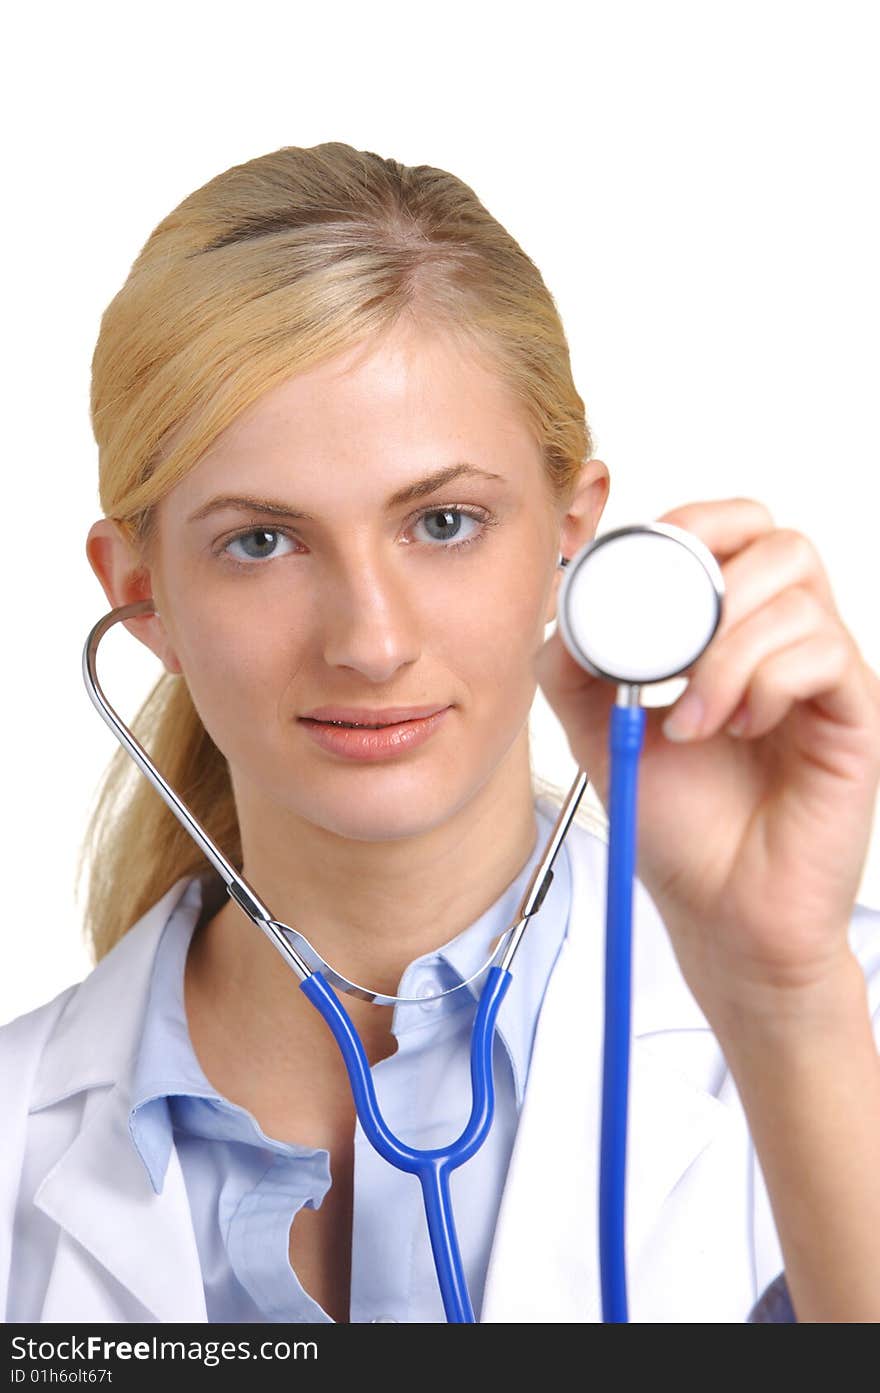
(166, 1063)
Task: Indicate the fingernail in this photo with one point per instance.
(684, 720)
(739, 720)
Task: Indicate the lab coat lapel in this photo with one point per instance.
(544, 1264)
(100, 1195)
(98, 1191)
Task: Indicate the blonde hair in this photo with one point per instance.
(266, 270)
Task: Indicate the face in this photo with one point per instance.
(439, 600)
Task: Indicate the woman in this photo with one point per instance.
(341, 448)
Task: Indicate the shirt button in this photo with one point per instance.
(384, 1320)
(428, 989)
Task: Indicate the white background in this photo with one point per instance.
(696, 181)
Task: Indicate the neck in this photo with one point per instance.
(369, 907)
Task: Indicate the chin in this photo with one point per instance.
(384, 813)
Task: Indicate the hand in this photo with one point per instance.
(752, 848)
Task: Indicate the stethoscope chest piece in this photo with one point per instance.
(641, 603)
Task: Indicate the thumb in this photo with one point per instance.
(582, 704)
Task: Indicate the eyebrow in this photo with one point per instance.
(418, 489)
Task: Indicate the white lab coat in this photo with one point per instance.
(83, 1237)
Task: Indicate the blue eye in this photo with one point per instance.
(260, 553)
(449, 527)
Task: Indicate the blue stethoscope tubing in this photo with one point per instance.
(434, 1167)
(625, 739)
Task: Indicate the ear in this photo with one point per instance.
(126, 578)
(581, 520)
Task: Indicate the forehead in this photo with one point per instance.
(407, 380)
(383, 411)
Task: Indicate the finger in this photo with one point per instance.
(822, 668)
(767, 566)
(725, 525)
(721, 679)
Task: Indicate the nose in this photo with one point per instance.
(369, 616)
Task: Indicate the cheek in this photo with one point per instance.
(491, 643)
(236, 668)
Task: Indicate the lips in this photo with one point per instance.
(388, 742)
(363, 716)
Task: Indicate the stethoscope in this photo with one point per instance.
(636, 606)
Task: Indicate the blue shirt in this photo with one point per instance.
(245, 1188)
(774, 1306)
